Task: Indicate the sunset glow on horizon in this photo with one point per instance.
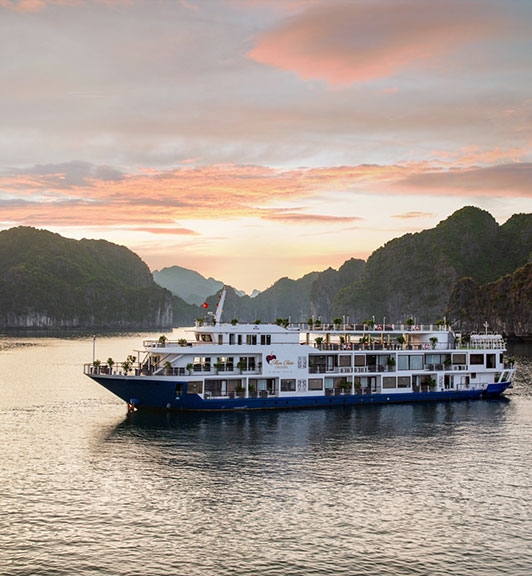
(251, 140)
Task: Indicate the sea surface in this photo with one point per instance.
(85, 489)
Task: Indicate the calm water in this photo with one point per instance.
(419, 490)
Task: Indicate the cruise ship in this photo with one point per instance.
(237, 366)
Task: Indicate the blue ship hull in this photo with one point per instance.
(172, 395)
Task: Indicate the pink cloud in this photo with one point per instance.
(84, 195)
(290, 216)
(413, 215)
(36, 5)
(360, 41)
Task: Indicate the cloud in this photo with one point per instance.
(168, 231)
(72, 174)
(344, 43)
(299, 217)
(83, 194)
(504, 180)
(36, 5)
(412, 215)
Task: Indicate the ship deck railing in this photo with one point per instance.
(368, 328)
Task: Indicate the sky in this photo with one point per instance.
(251, 140)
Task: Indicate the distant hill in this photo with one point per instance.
(286, 298)
(190, 286)
(296, 300)
(415, 275)
(47, 281)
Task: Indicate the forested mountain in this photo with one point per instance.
(190, 286)
(468, 267)
(415, 275)
(506, 305)
(285, 299)
(47, 281)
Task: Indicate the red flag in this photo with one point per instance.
(205, 305)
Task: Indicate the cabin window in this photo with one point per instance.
(315, 384)
(403, 382)
(240, 339)
(477, 359)
(288, 385)
(251, 339)
(341, 382)
(344, 360)
(459, 358)
(263, 385)
(231, 338)
(216, 387)
(434, 358)
(225, 363)
(202, 364)
(265, 339)
(360, 360)
(389, 382)
(316, 364)
(409, 362)
(195, 387)
(220, 339)
(233, 386)
(246, 363)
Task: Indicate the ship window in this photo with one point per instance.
(288, 385)
(315, 384)
(251, 339)
(265, 339)
(403, 382)
(216, 387)
(477, 359)
(234, 386)
(195, 387)
(459, 359)
(360, 360)
(220, 339)
(225, 363)
(231, 338)
(434, 358)
(344, 360)
(202, 364)
(402, 362)
(239, 339)
(388, 382)
(409, 362)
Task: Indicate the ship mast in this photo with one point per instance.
(219, 306)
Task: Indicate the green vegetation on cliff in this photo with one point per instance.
(506, 305)
(415, 275)
(50, 281)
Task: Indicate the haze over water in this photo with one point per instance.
(85, 489)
